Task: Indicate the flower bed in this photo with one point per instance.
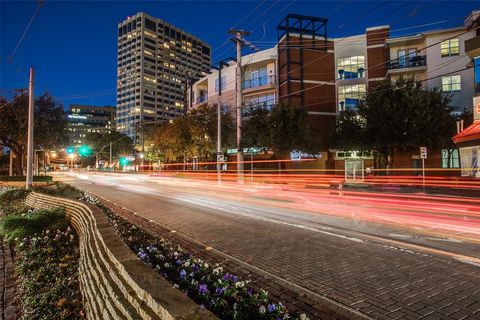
(226, 295)
(46, 259)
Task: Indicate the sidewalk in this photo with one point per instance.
(7, 283)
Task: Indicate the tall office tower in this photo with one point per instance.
(155, 63)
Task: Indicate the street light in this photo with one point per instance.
(71, 156)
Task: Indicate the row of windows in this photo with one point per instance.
(350, 95)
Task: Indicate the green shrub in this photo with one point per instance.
(31, 223)
(13, 196)
(60, 190)
(23, 178)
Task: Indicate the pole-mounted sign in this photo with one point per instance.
(423, 152)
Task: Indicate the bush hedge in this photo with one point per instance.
(23, 178)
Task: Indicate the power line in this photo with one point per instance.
(13, 99)
(250, 13)
(40, 4)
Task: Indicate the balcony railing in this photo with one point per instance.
(202, 99)
(407, 62)
(258, 82)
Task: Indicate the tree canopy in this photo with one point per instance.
(283, 129)
(100, 142)
(397, 116)
(193, 135)
(49, 125)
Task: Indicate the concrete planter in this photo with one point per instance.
(115, 284)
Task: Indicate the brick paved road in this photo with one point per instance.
(373, 277)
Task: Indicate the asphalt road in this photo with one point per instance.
(384, 256)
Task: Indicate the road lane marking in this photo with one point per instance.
(400, 235)
(445, 239)
(206, 203)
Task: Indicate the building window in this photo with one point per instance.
(450, 47)
(451, 83)
(349, 96)
(351, 67)
(266, 100)
(450, 158)
(257, 77)
(224, 83)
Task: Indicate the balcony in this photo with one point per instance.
(202, 99)
(406, 64)
(472, 47)
(258, 82)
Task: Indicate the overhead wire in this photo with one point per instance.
(12, 55)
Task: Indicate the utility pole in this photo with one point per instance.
(30, 131)
(219, 123)
(110, 158)
(238, 38)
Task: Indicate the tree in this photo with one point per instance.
(349, 133)
(290, 129)
(256, 128)
(193, 135)
(49, 125)
(100, 142)
(283, 129)
(397, 116)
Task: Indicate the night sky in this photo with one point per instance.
(72, 44)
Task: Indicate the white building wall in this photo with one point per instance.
(438, 66)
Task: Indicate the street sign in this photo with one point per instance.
(423, 152)
(220, 158)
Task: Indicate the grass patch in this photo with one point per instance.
(31, 223)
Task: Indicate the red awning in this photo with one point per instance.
(472, 132)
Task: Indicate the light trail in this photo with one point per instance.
(439, 215)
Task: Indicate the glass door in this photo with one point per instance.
(402, 61)
(254, 79)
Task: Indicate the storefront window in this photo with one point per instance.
(450, 158)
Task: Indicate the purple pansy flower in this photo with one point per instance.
(271, 307)
(202, 288)
(183, 274)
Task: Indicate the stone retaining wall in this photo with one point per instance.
(115, 284)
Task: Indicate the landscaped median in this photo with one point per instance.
(127, 273)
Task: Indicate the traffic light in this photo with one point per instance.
(123, 161)
(85, 151)
(70, 150)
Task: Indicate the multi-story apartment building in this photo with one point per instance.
(468, 139)
(326, 75)
(259, 83)
(155, 60)
(83, 119)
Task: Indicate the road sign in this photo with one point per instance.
(423, 152)
(220, 158)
